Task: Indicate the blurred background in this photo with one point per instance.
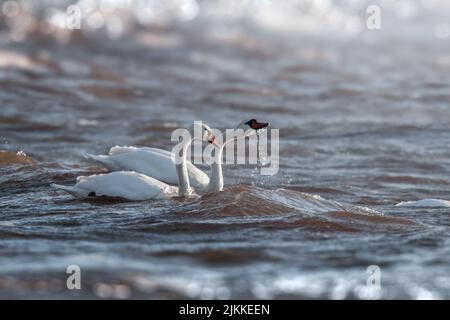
(359, 90)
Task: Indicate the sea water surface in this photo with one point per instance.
(364, 124)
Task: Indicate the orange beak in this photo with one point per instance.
(213, 141)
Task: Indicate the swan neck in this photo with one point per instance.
(184, 187)
(216, 181)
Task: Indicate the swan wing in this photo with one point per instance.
(120, 150)
(106, 161)
(197, 178)
(153, 162)
(125, 149)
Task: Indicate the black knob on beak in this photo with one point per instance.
(255, 125)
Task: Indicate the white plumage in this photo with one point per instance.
(153, 162)
(134, 186)
(121, 184)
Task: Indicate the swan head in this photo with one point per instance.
(203, 132)
(243, 130)
(251, 127)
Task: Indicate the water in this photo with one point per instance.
(364, 124)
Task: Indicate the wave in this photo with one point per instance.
(246, 206)
(430, 203)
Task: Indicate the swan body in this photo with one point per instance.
(425, 203)
(153, 162)
(120, 184)
(135, 186)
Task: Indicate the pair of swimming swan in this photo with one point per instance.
(151, 173)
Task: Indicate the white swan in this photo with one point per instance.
(425, 203)
(153, 162)
(136, 186)
(120, 184)
(160, 164)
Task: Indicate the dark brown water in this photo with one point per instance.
(364, 124)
